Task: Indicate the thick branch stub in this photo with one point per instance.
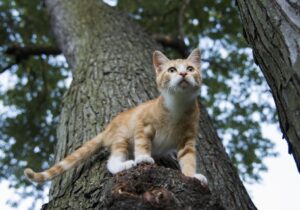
(152, 187)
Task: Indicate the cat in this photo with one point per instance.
(156, 127)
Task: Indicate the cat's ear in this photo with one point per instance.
(195, 57)
(159, 59)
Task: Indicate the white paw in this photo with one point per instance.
(202, 179)
(128, 164)
(116, 167)
(143, 158)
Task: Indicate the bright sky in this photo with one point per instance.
(281, 184)
(9, 194)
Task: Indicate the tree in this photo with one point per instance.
(272, 30)
(106, 51)
(32, 59)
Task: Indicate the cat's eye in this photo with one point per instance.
(172, 70)
(190, 68)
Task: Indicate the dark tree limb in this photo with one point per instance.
(24, 52)
(173, 42)
(21, 53)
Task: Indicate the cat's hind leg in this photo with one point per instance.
(118, 158)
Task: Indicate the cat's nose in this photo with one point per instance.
(183, 74)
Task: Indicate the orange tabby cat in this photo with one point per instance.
(152, 128)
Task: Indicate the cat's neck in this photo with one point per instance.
(178, 104)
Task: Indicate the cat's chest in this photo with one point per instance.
(166, 139)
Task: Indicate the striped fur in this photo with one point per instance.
(70, 161)
(152, 128)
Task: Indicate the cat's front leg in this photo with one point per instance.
(187, 160)
(142, 144)
(117, 161)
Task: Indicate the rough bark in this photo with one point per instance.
(110, 57)
(272, 29)
(144, 187)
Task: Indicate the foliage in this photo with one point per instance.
(30, 92)
(234, 91)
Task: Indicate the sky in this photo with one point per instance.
(280, 186)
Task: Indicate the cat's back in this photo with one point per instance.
(125, 122)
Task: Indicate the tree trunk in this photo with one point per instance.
(272, 28)
(110, 57)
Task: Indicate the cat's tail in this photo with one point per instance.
(78, 156)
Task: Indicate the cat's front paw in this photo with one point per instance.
(128, 164)
(144, 159)
(202, 179)
(116, 167)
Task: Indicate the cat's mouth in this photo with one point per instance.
(187, 84)
(183, 83)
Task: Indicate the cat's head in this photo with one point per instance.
(180, 75)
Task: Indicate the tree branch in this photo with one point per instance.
(25, 52)
(181, 18)
(173, 42)
(22, 53)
